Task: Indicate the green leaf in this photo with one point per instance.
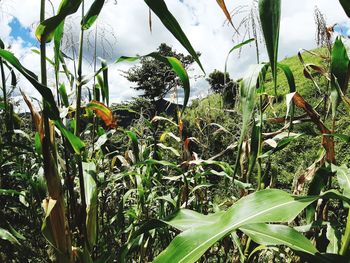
(105, 87)
(6, 235)
(2, 106)
(289, 75)
(343, 176)
(339, 73)
(63, 92)
(74, 140)
(92, 14)
(58, 34)
(91, 201)
(45, 92)
(192, 243)
(260, 207)
(346, 6)
(268, 234)
(248, 90)
(333, 238)
(270, 17)
(169, 21)
(134, 143)
(46, 29)
(37, 144)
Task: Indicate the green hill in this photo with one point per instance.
(288, 164)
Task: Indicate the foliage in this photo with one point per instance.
(265, 181)
(155, 78)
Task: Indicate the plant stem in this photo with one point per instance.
(58, 222)
(82, 223)
(3, 80)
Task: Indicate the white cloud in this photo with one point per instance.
(124, 30)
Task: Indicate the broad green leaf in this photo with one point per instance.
(92, 14)
(346, 6)
(268, 234)
(58, 34)
(333, 238)
(248, 94)
(63, 92)
(74, 140)
(289, 75)
(186, 219)
(260, 207)
(343, 176)
(135, 144)
(105, 87)
(46, 29)
(91, 201)
(2, 106)
(6, 235)
(192, 243)
(270, 17)
(160, 8)
(339, 73)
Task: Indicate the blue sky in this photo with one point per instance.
(19, 31)
(125, 26)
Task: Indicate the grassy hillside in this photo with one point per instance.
(291, 162)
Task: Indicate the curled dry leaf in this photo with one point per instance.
(36, 116)
(103, 112)
(327, 142)
(223, 6)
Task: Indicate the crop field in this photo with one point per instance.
(255, 171)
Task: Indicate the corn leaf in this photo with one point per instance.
(270, 16)
(160, 8)
(92, 14)
(91, 201)
(260, 207)
(339, 73)
(268, 234)
(46, 29)
(343, 177)
(6, 235)
(346, 6)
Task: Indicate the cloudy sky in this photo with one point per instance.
(122, 29)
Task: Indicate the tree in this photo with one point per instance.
(155, 78)
(217, 84)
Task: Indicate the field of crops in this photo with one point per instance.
(256, 172)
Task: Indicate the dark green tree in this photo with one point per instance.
(155, 78)
(228, 90)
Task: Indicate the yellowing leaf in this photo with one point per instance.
(103, 112)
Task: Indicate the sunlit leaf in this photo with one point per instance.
(46, 29)
(268, 234)
(160, 8)
(270, 16)
(92, 14)
(91, 201)
(103, 112)
(6, 235)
